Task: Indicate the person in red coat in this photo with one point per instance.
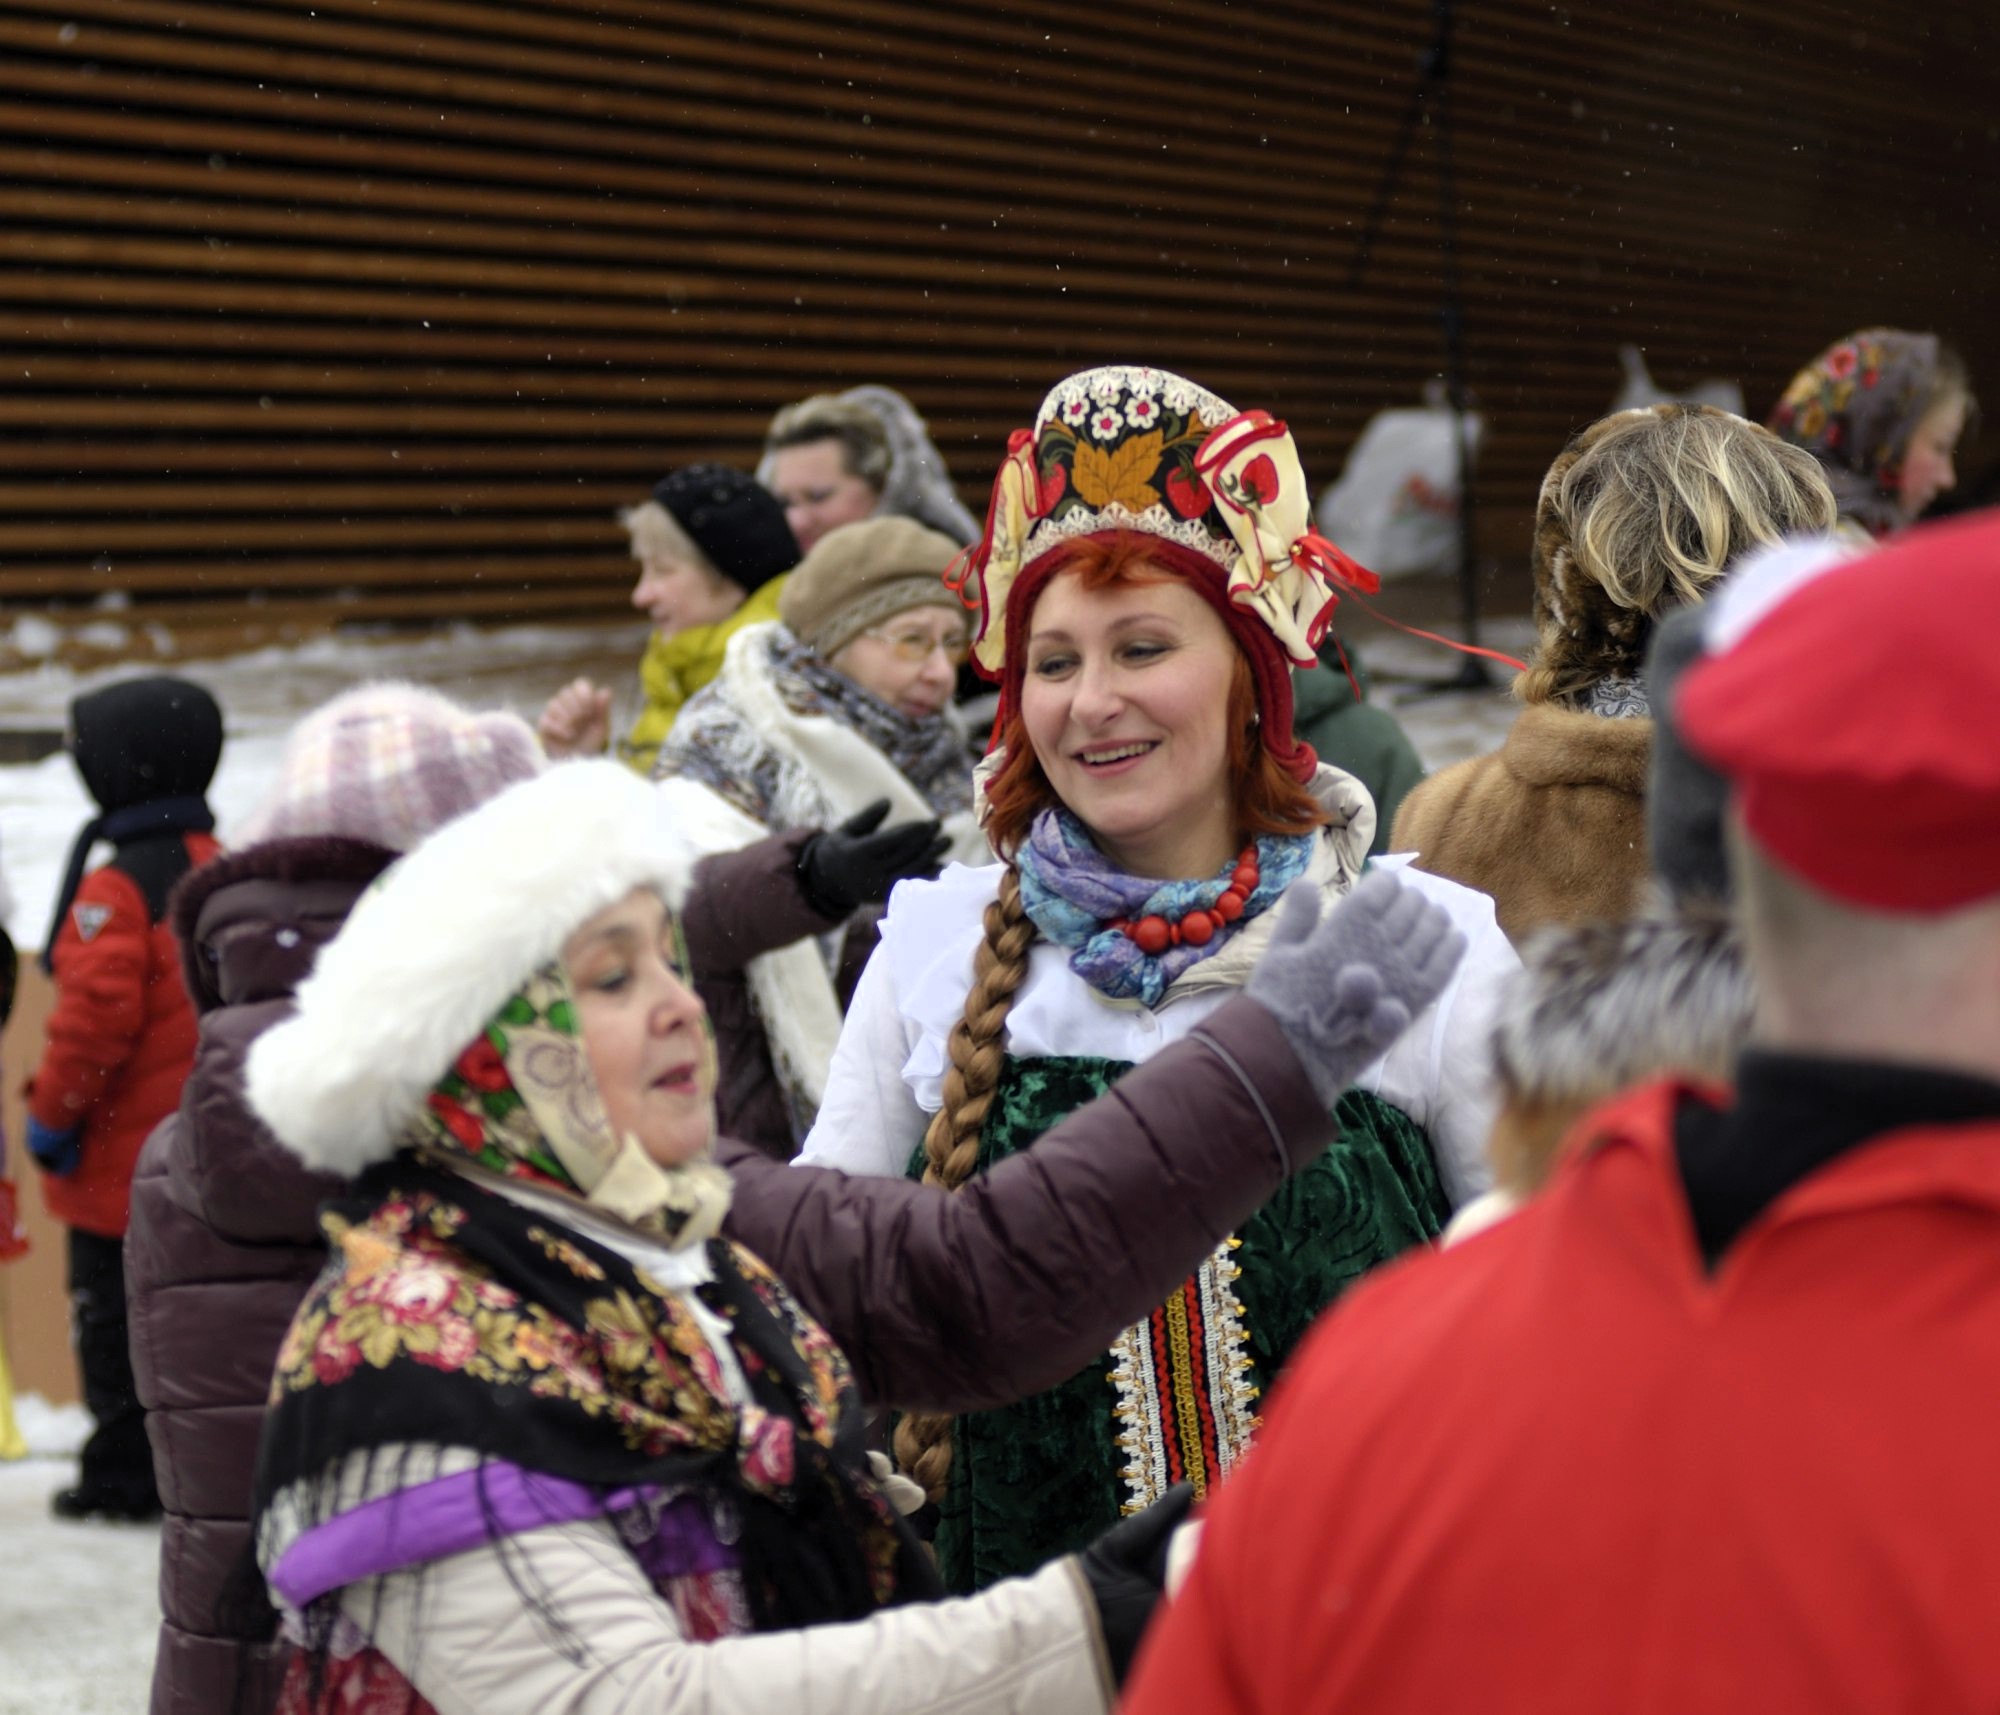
(1703, 1427)
(121, 1036)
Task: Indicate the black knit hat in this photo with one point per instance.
(733, 519)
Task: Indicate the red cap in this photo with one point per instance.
(1856, 723)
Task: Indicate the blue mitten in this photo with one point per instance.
(56, 1152)
(1344, 986)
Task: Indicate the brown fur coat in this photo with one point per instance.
(1552, 824)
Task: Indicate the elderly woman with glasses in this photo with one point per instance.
(838, 717)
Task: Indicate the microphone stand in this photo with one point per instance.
(1434, 86)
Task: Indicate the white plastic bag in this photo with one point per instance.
(1395, 507)
(1641, 390)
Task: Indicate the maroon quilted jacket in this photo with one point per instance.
(744, 903)
(223, 1242)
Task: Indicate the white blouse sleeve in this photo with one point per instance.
(460, 1632)
(868, 1121)
(888, 1068)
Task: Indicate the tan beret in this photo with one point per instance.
(862, 573)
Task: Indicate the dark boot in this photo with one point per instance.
(115, 1470)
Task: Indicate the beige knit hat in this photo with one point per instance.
(862, 573)
(392, 763)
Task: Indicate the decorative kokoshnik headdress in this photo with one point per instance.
(1126, 448)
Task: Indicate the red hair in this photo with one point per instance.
(1269, 799)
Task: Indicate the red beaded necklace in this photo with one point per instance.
(1153, 934)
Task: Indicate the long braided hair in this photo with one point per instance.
(1268, 801)
(951, 1146)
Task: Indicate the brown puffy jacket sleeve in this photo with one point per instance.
(964, 1301)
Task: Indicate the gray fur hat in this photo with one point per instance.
(1598, 1007)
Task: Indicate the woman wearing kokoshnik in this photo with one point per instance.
(1147, 583)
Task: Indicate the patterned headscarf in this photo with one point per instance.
(1854, 408)
(521, 1102)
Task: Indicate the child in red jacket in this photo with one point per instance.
(121, 1037)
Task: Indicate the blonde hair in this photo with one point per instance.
(864, 443)
(658, 535)
(951, 1146)
(1643, 512)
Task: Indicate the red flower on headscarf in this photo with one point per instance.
(1841, 360)
(1260, 481)
(481, 1066)
(1054, 481)
(461, 1124)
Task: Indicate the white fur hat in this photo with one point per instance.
(437, 947)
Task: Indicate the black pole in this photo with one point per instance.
(1434, 82)
(1472, 674)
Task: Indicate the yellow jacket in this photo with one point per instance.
(674, 668)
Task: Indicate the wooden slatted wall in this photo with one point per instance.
(376, 308)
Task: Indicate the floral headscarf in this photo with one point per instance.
(1854, 408)
(521, 1102)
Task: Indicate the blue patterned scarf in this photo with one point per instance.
(1071, 891)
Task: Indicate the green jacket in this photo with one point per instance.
(1355, 735)
(674, 668)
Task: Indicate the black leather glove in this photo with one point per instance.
(851, 865)
(1126, 1569)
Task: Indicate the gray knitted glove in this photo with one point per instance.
(1344, 987)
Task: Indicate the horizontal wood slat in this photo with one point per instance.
(331, 310)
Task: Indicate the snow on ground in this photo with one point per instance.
(50, 1431)
(79, 1603)
(42, 804)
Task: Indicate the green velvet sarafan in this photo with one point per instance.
(1042, 1478)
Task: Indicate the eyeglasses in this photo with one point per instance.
(915, 646)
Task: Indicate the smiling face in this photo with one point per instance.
(1125, 701)
(910, 660)
(1927, 465)
(817, 490)
(641, 1028)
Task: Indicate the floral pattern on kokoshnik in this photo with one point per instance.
(1131, 451)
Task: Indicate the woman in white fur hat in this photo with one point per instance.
(539, 1437)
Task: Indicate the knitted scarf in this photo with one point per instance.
(1071, 891)
(720, 741)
